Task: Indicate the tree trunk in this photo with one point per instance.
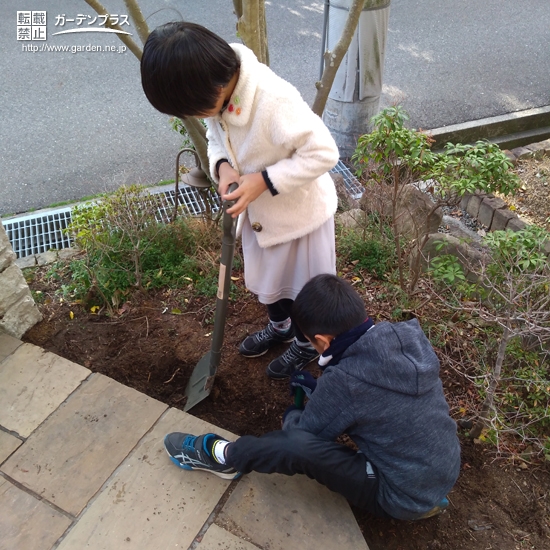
(251, 26)
(132, 46)
(334, 58)
(420, 241)
(238, 6)
(394, 201)
(139, 21)
(352, 96)
(263, 33)
(197, 134)
(493, 384)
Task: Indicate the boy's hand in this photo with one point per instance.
(227, 175)
(251, 186)
(304, 380)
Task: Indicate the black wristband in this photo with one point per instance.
(218, 164)
(269, 183)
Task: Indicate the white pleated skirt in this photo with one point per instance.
(280, 271)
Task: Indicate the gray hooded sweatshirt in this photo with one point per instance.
(385, 393)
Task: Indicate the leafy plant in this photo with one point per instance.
(519, 250)
(390, 145)
(127, 248)
(512, 285)
(462, 169)
(447, 269)
(392, 158)
(366, 248)
(178, 125)
(526, 388)
(371, 255)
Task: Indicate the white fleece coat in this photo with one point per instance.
(268, 126)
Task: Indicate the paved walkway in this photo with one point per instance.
(82, 465)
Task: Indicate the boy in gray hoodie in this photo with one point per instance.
(380, 385)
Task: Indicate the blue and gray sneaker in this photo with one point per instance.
(192, 452)
(436, 510)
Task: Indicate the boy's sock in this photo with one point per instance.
(281, 327)
(217, 450)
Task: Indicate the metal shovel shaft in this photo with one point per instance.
(224, 286)
(202, 377)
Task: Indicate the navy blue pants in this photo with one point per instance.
(336, 466)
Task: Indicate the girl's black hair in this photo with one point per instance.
(327, 305)
(183, 67)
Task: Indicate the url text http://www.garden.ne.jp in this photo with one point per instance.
(35, 48)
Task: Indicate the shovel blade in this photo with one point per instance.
(200, 383)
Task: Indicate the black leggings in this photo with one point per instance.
(280, 311)
(290, 452)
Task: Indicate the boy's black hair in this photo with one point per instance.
(183, 67)
(327, 305)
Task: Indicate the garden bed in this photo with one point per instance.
(153, 342)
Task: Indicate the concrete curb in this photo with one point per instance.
(508, 131)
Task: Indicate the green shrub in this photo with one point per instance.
(366, 250)
(126, 248)
(394, 156)
(526, 390)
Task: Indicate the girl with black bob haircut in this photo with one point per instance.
(190, 88)
(262, 135)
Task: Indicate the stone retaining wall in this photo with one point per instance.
(492, 211)
(18, 312)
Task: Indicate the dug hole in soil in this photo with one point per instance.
(151, 346)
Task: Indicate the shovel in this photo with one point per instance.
(202, 379)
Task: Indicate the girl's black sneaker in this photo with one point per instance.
(260, 342)
(294, 358)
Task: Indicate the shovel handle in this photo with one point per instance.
(230, 189)
(224, 282)
(299, 395)
(227, 221)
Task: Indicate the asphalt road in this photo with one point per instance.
(76, 124)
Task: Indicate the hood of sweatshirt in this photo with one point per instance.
(394, 356)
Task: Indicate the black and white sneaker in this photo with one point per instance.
(191, 452)
(260, 342)
(294, 358)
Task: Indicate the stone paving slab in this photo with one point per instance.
(149, 503)
(280, 512)
(217, 538)
(79, 446)
(8, 344)
(8, 444)
(33, 383)
(27, 523)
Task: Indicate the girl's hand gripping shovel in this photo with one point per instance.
(202, 379)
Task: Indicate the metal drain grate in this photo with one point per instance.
(353, 187)
(32, 234)
(35, 233)
(40, 232)
(189, 199)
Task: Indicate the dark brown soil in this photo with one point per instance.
(496, 504)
